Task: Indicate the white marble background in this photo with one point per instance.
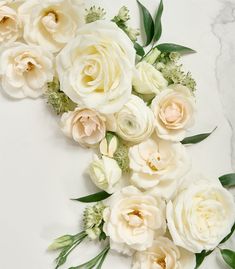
(40, 169)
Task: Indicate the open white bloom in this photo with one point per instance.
(95, 68)
(174, 110)
(135, 121)
(51, 23)
(133, 219)
(85, 126)
(164, 254)
(148, 80)
(25, 70)
(201, 215)
(159, 166)
(10, 24)
(105, 173)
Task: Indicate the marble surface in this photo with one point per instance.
(40, 169)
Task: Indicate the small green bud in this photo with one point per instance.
(174, 56)
(123, 14)
(152, 56)
(132, 33)
(122, 158)
(94, 14)
(93, 217)
(61, 242)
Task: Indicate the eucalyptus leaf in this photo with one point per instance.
(148, 23)
(229, 257)
(158, 23)
(196, 138)
(229, 235)
(170, 47)
(228, 180)
(201, 256)
(96, 197)
(139, 49)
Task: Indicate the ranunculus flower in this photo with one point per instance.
(95, 68)
(105, 173)
(201, 215)
(25, 70)
(174, 112)
(51, 24)
(164, 254)
(148, 80)
(133, 219)
(159, 166)
(85, 126)
(134, 122)
(10, 24)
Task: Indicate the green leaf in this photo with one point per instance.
(228, 180)
(229, 257)
(201, 256)
(148, 23)
(96, 197)
(158, 23)
(139, 49)
(196, 138)
(170, 47)
(229, 235)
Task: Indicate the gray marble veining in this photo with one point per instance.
(224, 29)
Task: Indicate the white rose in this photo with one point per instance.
(105, 173)
(133, 219)
(159, 166)
(148, 79)
(95, 68)
(135, 121)
(10, 24)
(85, 126)
(25, 70)
(174, 112)
(201, 215)
(164, 254)
(51, 23)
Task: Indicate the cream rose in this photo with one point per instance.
(164, 254)
(133, 219)
(25, 70)
(51, 24)
(85, 126)
(148, 80)
(105, 173)
(134, 122)
(95, 69)
(174, 112)
(159, 166)
(10, 24)
(201, 215)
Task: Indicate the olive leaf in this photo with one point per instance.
(139, 49)
(148, 23)
(96, 197)
(229, 257)
(196, 138)
(158, 23)
(170, 47)
(228, 180)
(201, 256)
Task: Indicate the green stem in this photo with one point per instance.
(92, 263)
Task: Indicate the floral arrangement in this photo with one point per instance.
(133, 109)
